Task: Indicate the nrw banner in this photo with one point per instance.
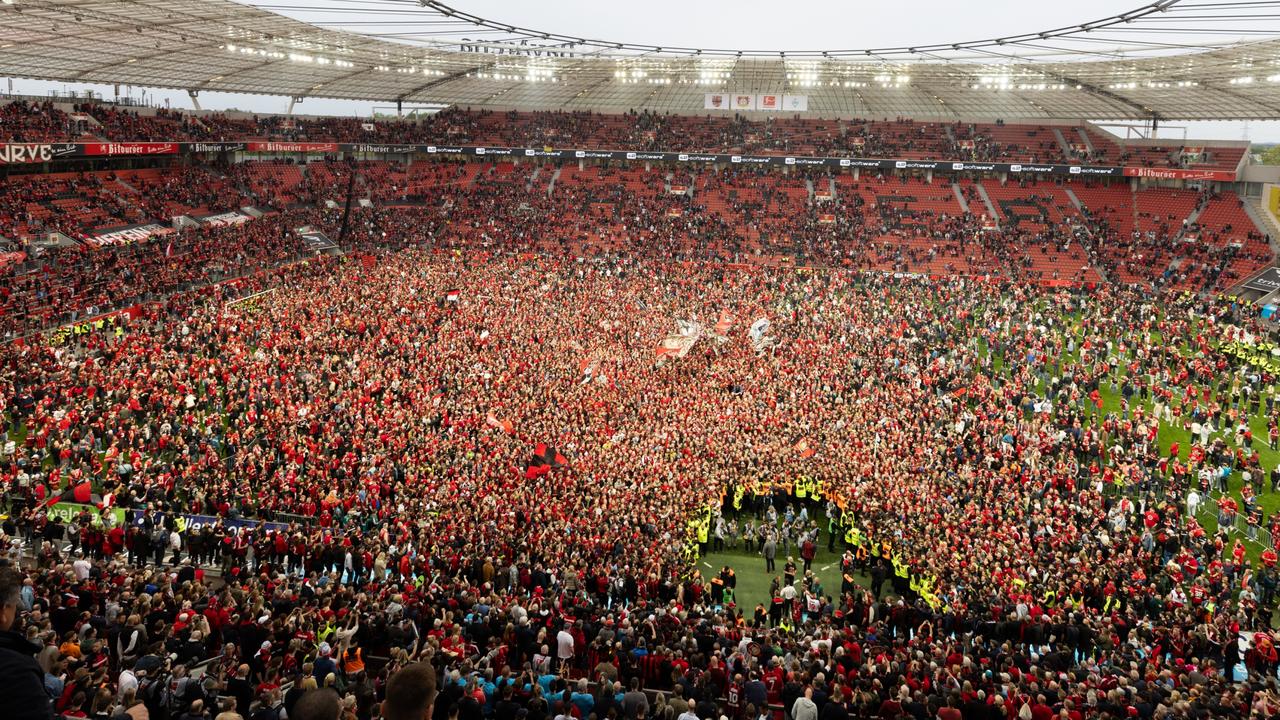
(795, 103)
(716, 101)
(20, 153)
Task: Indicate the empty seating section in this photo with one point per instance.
(164, 193)
(273, 183)
(1222, 242)
(71, 203)
(1163, 210)
(1011, 143)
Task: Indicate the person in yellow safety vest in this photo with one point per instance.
(326, 632)
(703, 528)
(737, 497)
(816, 489)
(802, 488)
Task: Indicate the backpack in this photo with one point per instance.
(155, 695)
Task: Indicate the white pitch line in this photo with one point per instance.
(827, 567)
(704, 562)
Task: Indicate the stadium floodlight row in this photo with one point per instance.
(1160, 61)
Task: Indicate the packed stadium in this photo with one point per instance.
(409, 360)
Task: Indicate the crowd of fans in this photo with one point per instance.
(476, 460)
(452, 474)
(898, 137)
(880, 222)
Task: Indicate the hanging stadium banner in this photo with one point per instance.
(294, 147)
(129, 148)
(14, 153)
(795, 103)
(716, 101)
(214, 147)
(769, 103)
(744, 102)
(132, 233)
(380, 149)
(224, 219)
(1180, 174)
(23, 153)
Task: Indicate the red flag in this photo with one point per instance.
(83, 492)
(504, 425)
(726, 322)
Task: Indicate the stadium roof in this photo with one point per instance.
(1166, 59)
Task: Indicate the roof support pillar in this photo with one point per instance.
(195, 99)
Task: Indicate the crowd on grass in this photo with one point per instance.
(480, 461)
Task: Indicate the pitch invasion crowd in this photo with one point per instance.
(736, 216)
(388, 411)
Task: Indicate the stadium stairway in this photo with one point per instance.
(808, 184)
(1071, 195)
(1253, 208)
(1062, 143)
(1190, 221)
(986, 200)
(964, 204)
(1084, 136)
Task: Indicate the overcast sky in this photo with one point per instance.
(746, 24)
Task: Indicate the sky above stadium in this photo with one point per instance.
(735, 24)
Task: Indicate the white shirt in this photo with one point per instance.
(128, 681)
(564, 645)
(82, 568)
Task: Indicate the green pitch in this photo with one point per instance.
(754, 581)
